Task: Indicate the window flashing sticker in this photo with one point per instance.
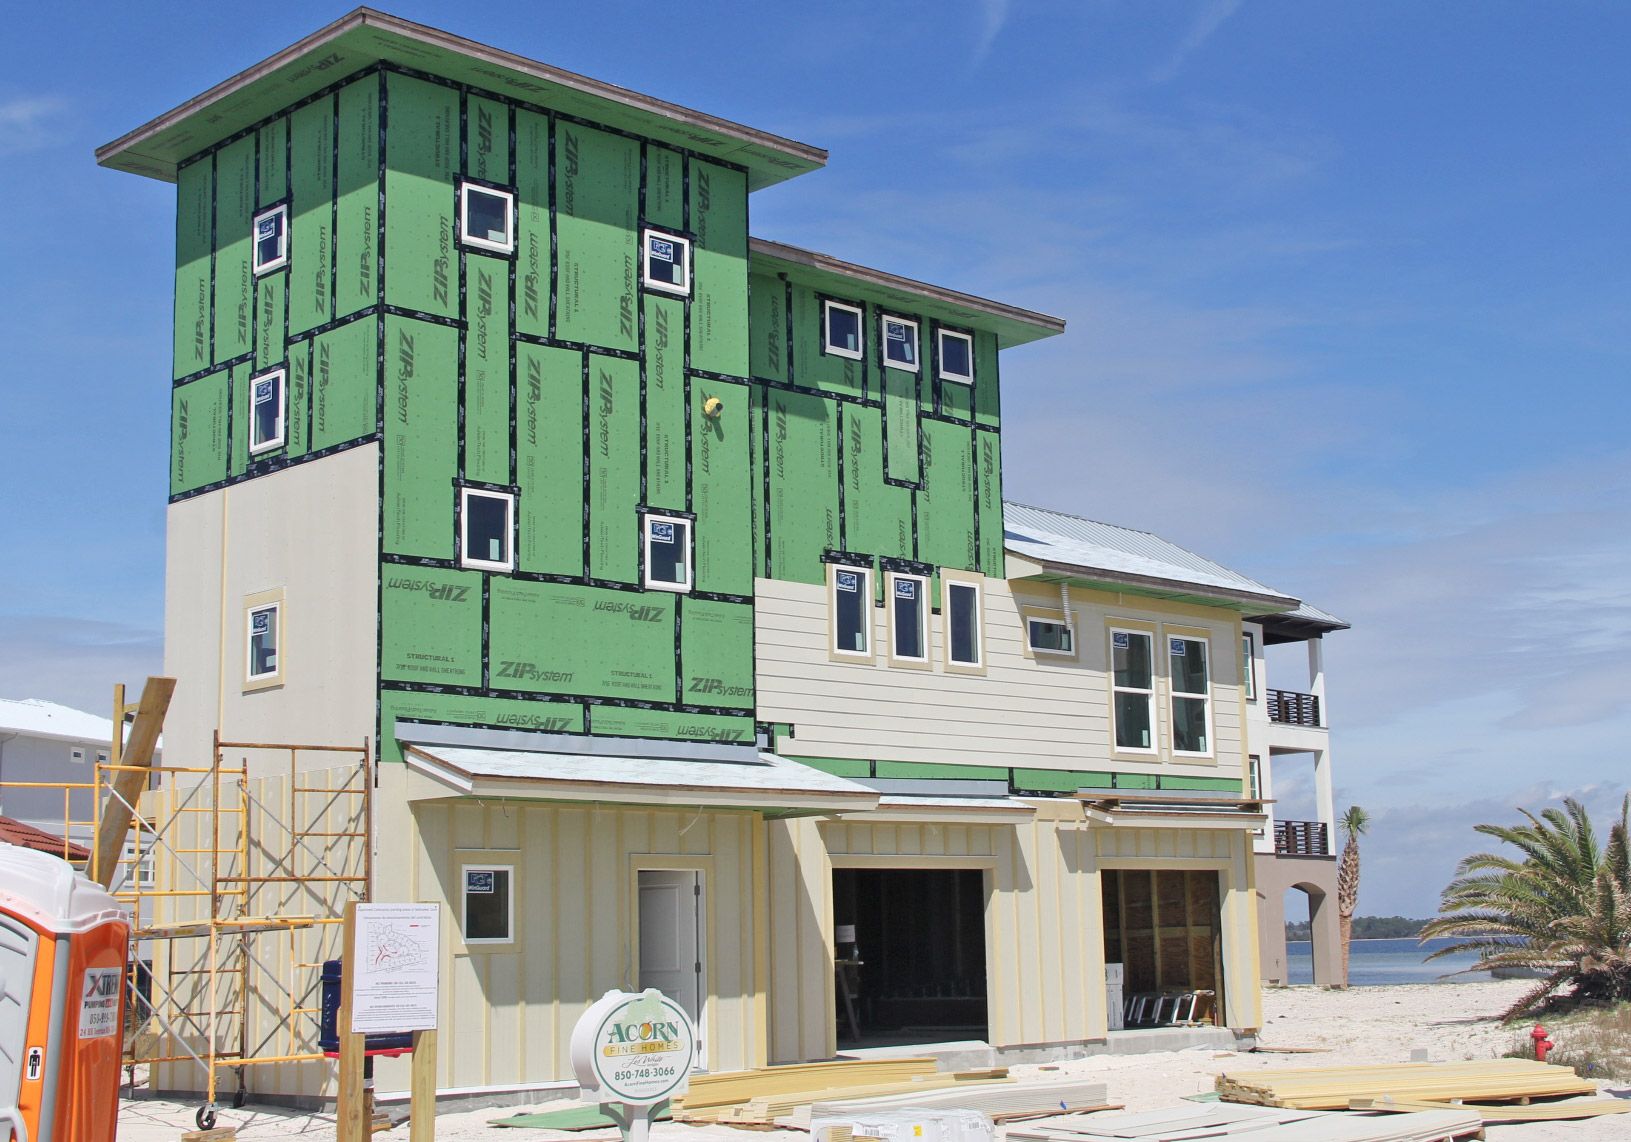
(662, 250)
(99, 1003)
(263, 389)
(260, 622)
(267, 227)
(1176, 645)
(905, 589)
(1121, 640)
(848, 581)
(479, 882)
(662, 532)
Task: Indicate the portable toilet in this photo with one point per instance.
(63, 944)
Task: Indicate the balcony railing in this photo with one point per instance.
(1302, 838)
(1293, 709)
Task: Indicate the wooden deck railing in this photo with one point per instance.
(1302, 838)
(1293, 709)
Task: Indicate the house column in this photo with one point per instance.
(1316, 676)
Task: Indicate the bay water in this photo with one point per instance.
(1375, 962)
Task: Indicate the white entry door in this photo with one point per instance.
(671, 946)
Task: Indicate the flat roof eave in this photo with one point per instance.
(364, 37)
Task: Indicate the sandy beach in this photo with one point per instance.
(1363, 1025)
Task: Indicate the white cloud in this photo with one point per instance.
(25, 122)
(75, 661)
(993, 15)
(1212, 15)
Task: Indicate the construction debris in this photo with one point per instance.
(760, 1097)
(1334, 1088)
(906, 1124)
(999, 1101)
(1194, 1121)
(1511, 1112)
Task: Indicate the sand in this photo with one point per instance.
(1364, 1025)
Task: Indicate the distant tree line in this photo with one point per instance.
(1366, 928)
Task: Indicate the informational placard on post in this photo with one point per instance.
(631, 1053)
(395, 957)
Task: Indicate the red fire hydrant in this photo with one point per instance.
(1542, 1042)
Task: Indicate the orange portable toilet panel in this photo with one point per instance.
(63, 947)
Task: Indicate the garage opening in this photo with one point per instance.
(910, 952)
(1164, 926)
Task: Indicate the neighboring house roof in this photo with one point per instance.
(41, 719)
(15, 832)
(1138, 560)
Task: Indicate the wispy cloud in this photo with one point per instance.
(993, 15)
(74, 661)
(25, 122)
(1212, 15)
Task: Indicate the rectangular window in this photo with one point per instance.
(486, 218)
(667, 262)
(962, 610)
(956, 352)
(841, 329)
(138, 871)
(852, 612)
(266, 412)
(486, 525)
(1132, 658)
(271, 235)
(668, 552)
(488, 904)
(1254, 778)
(900, 343)
(76, 755)
(908, 618)
(1190, 695)
(1047, 637)
(1248, 665)
(263, 642)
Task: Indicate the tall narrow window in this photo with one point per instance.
(1191, 717)
(1133, 680)
(488, 904)
(486, 523)
(266, 412)
(668, 552)
(263, 642)
(852, 612)
(667, 262)
(841, 329)
(900, 343)
(1248, 665)
(271, 237)
(1254, 778)
(908, 618)
(956, 352)
(486, 218)
(962, 611)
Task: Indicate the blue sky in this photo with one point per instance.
(1348, 285)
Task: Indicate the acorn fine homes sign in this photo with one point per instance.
(632, 1052)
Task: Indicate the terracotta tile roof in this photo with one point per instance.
(15, 832)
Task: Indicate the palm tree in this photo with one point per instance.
(1563, 906)
(1353, 825)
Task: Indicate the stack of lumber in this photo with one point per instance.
(1509, 1112)
(1000, 1101)
(1334, 1088)
(759, 1097)
(1198, 1121)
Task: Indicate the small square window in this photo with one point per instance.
(486, 218)
(668, 552)
(852, 612)
(486, 523)
(666, 262)
(841, 329)
(900, 343)
(1048, 637)
(908, 618)
(271, 236)
(962, 623)
(488, 904)
(266, 412)
(76, 755)
(263, 642)
(956, 356)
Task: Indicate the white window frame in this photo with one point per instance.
(948, 580)
(1173, 694)
(683, 288)
(464, 905)
(140, 872)
(1248, 655)
(281, 210)
(275, 441)
(940, 356)
(76, 755)
(1254, 777)
(475, 562)
(467, 238)
(922, 581)
(646, 520)
(1149, 694)
(883, 342)
(279, 640)
(859, 352)
(1031, 619)
(864, 588)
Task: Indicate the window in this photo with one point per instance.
(956, 356)
(76, 756)
(667, 262)
(851, 612)
(1047, 636)
(1254, 777)
(963, 626)
(266, 412)
(1132, 674)
(668, 553)
(101, 757)
(486, 524)
(138, 872)
(486, 218)
(900, 343)
(271, 236)
(841, 329)
(1190, 715)
(263, 642)
(1248, 665)
(488, 904)
(908, 618)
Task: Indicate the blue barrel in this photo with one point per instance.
(328, 1033)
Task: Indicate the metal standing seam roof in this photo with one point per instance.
(35, 717)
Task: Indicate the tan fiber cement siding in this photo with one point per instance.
(1047, 713)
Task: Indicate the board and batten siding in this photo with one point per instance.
(1044, 926)
(1047, 712)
